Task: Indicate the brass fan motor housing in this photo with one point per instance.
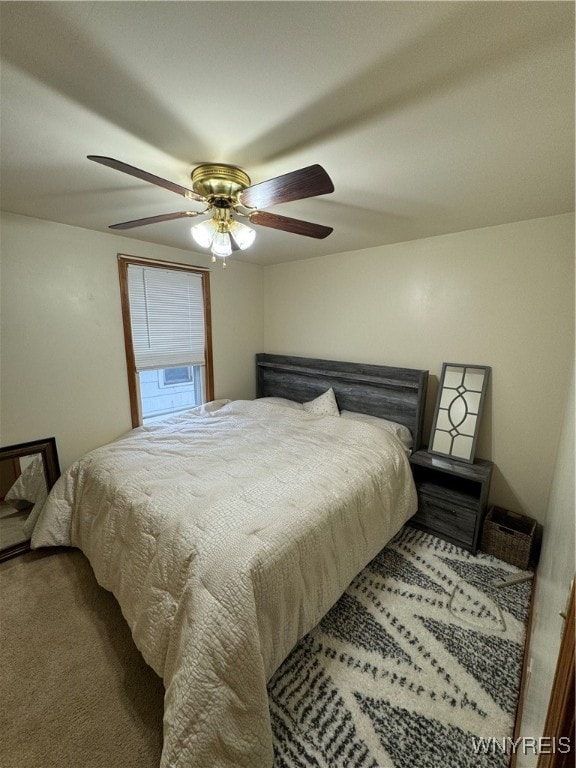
(215, 182)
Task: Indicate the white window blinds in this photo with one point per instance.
(166, 317)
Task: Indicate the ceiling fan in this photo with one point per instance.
(226, 190)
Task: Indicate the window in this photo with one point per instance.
(166, 314)
(181, 375)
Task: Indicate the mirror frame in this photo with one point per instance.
(470, 409)
(47, 449)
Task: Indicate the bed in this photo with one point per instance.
(228, 531)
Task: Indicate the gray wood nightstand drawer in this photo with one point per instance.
(452, 497)
(456, 523)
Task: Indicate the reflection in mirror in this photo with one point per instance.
(458, 409)
(24, 490)
(27, 472)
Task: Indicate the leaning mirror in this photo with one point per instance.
(27, 473)
(458, 408)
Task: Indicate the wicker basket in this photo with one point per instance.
(509, 536)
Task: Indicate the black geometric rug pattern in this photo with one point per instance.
(418, 660)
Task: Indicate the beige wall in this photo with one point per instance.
(500, 296)
(555, 573)
(63, 369)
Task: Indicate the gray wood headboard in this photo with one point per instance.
(398, 394)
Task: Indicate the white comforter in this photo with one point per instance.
(225, 538)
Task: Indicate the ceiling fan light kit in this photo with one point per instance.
(244, 236)
(222, 234)
(227, 189)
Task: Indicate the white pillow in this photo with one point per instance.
(324, 405)
(399, 430)
(30, 486)
(283, 401)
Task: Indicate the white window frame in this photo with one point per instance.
(162, 383)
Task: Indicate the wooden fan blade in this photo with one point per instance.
(171, 186)
(296, 226)
(306, 182)
(153, 220)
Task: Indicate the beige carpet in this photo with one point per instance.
(74, 690)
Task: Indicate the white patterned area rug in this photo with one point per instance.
(418, 662)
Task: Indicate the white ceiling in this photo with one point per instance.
(430, 117)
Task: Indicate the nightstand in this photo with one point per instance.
(452, 497)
